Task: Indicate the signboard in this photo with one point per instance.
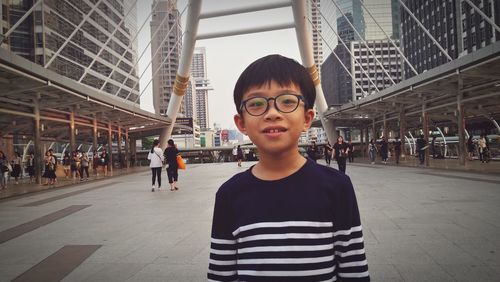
(184, 122)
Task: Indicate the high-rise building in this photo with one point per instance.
(199, 74)
(338, 85)
(165, 52)
(95, 50)
(314, 7)
(459, 29)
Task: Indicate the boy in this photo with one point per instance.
(286, 218)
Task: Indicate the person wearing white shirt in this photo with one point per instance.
(156, 158)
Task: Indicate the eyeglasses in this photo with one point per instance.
(284, 103)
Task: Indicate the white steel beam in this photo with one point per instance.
(245, 31)
(362, 40)
(183, 72)
(241, 10)
(426, 31)
(72, 34)
(304, 40)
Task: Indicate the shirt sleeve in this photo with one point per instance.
(348, 238)
(222, 263)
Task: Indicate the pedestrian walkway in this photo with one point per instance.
(419, 225)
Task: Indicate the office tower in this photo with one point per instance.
(314, 7)
(199, 74)
(95, 50)
(338, 85)
(459, 29)
(165, 52)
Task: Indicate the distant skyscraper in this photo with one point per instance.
(199, 74)
(459, 29)
(100, 54)
(165, 52)
(315, 16)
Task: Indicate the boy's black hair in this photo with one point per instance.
(280, 69)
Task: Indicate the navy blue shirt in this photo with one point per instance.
(304, 227)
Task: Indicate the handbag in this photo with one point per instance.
(180, 162)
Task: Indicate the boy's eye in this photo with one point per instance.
(256, 102)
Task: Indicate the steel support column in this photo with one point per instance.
(402, 130)
(304, 40)
(183, 72)
(384, 130)
(133, 151)
(425, 129)
(72, 137)
(119, 146)
(126, 157)
(39, 154)
(361, 139)
(374, 131)
(461, 124)
(110, 148)
(94, 134)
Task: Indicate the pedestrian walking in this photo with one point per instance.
(95, 163)
(470, 148)
(104, 162)
(312, 151)
(482, 144)
(384, 150)
(170, 154)
(50, 169)
(4, 170)
(327, 150)
(235, 153)
(30, 167)
(84, 166)
(421, 146)
(156, 158)
(239, 155)
(66, 162)
(397, 148)
(350, 153)
(74, 163)
(340, 152)
(16, 166)
(372, 151)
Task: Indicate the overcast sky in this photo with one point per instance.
(227, 57)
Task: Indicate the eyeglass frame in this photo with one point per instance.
(299, 97)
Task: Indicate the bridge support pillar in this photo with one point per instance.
(94, 134)
(425, 129)
(72, 138)
(127, 150)
(402, 130)
(39, 154)
(110, 148)
(461, 124)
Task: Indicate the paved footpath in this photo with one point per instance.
(419, 225)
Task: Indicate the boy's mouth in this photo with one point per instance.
(274, 130)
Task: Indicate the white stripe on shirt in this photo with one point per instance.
(348, 231)
(347, 243)
(285, 248)
(222, 273)
(222, 262)
(287, 273)
(222, 252)
(350, 253)
(354, 263)
(354, 274)
(285, 236)
(285, 260)
(282, 224)
(223, 241)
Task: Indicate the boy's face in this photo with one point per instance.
(274, 132)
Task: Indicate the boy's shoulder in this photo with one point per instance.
(237, 180)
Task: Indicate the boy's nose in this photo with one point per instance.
(272, 113)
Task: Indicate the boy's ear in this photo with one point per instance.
(308, 119)
(240, 123)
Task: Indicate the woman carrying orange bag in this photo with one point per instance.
(171, 154)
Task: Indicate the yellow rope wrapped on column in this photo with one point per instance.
(180, 85)
(313, 72)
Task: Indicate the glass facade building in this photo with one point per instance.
(89, 41)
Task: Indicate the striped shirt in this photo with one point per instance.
(304, 227)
